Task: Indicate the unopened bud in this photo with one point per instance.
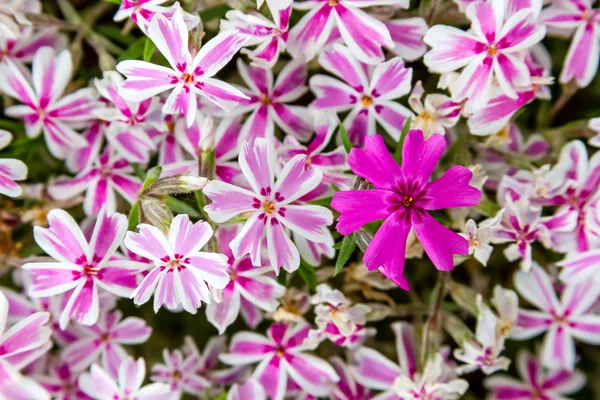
(176, 184)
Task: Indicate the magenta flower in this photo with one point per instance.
(407, 35)
(268, 102)
(368, 96)
(61, 382)
(130, 122)
(180, 373)
(362, 33)
(250, 290)
(43, 109)
(579, 19)
(187, 77)
(271, 206)
(105, 341)
(563, 320)
(536, 382)
(492, 49)
(22, 48)
(142, 12)
(108, 174)
(99, 384)
(402, 197)
(282, 360)
(182, 271)
(81, 266)
(25, 341)
(269, 37)
(11, 170)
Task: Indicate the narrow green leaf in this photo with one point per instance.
(338, 245)
(345, 139)
(214, 12)
(348, 246)
(307, 272)
(282, 277)
(487, 208)
(151, 177)
(321, 202)
(134, 216)
(222, 396)
(398, 152)
(113, 1)
(149, 49)
(441, 217)
(135, 51)
(181, 207)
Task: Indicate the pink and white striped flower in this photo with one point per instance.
(44, 107)
(108, 174)
(275, 4)
(492, 49)
(536, 382)
(362, 33)
(594, 124)
(182, 272)
(11, 169)
(15, 386)
(187, 77)
(142, 12)
(22, 48)
(580, 267)
(81, 266)
(579, 19)
(368, 93)
(250, 290)
(407, 35)
(249, 390)
(180, 373)
(270, 205)
(435, 114)
(282, 360)
(61, 381)
(347, 388)
(270, 37)
(130, 122)
(268, 102)
(105, 341)
(99, 384)
(563, 320)
(480, 236)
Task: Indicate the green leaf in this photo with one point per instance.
(345, 139)
(214, 12)
(487, 208)
(181, 207)
(222, 396)
(441, 217)
(135, 51)
(348, 246)
(134, 216)
(151, 177)
(282, 277)
(307, 272)
(398, 152)
(338, 245)
(113, 1)
(149, 49)
(321, 202)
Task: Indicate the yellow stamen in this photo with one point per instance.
(269, 207)
(367, 101)
(407, 201)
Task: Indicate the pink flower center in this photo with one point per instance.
(177, 375)
(265, 99)
(367, 101)
(187, 78)
(90, 270)
(268, 206)
(492, 50)
(280, 351)
(407, 201)
(333, 3)
(178, 262)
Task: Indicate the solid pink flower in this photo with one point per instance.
(282, 360)
(563, 320)
(105, 341)
(368, 93)
(142, 12)
(403, 197)
(271, 206)
(44, 107)
(11, 169)
(81, 266)
(491, 49)
(362, 33)
(182, 272)
(186, 76)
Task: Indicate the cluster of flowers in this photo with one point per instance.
(286, 176)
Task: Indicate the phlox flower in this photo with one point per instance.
(12, 15)
(271, 206)
(347, 388)
(250, 289)
(362, 33)
(249, 390)
(44, 107)
(15, 386)
(142, 12)
(506, 303)
(270, 37)
(407, 35)
(368, 93)
(479, 237)
(580, 267)
(61, 382)
(563, 320)
(182, 272)
(594, 124)
(402, 196)
(579, 19)
(105, 341)
(22, 48)
(81, 266)
(492, 49)
(180, 373)
(130, 122)
(282, 359)
(99, 384)
(437, 113)
(268, 101)
(107, 174)
(275, 4)
(186, 76)
(535, 381)
(11, 169)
